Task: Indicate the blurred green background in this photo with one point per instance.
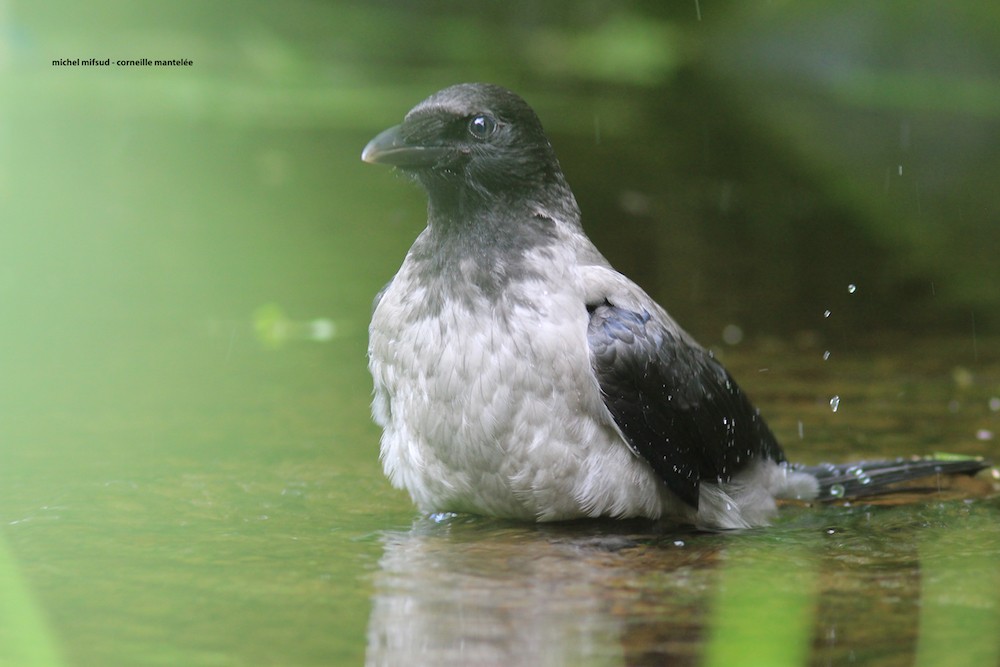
(188, 474)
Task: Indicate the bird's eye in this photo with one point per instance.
(481, 126)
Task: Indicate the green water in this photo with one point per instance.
(188, 472)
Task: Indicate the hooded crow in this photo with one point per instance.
(518, 375)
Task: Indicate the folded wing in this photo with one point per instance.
(677, 406)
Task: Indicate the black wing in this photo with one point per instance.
(676, 405)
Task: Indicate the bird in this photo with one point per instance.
(518, 375)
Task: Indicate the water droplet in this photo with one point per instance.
(852, 288)
(678, 543)
(835, 403)
(732, 334)
(995, 404)
(984, 434)
(963, 377)
(826, 355)
(801, 430)
(859, 474)
(900, 170)
(826, 313)
(837, 491)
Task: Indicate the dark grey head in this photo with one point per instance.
(469, 145)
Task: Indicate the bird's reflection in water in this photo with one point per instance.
(477, 592)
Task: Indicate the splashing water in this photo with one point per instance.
(732, 334)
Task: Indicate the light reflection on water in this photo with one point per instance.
(827, 586)
(473, 592)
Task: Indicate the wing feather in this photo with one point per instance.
(676, 405)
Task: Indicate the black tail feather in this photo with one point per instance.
(860, 479)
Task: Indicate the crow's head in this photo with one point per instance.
(469, 145)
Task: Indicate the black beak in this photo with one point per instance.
(389, 147)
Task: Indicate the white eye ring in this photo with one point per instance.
(482, 126)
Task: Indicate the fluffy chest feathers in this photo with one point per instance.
(484, 390)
